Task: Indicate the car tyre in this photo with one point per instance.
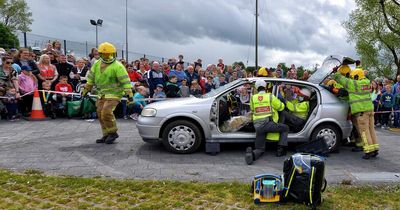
(331, 132)
(182, 137)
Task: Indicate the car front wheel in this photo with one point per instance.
(182, 137)
(330, 134)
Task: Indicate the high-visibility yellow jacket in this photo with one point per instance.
(267, 105)
(111, 82)
(359, 94)
(300, 109)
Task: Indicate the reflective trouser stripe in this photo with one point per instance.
(376, 146)
(359, 143)
(105, 109)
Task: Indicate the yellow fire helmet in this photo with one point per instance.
(263, 72)
(331, 82)
(357, 72)
(344, 70)
(107, 52)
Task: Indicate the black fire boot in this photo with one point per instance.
(367, 156)
(101, 140)
(375, 153)
(111, 138)
(357, 149)
(249, 157)
(281, 151)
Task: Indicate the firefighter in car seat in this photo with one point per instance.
(298, 108)
(265, 108)
(362, 108)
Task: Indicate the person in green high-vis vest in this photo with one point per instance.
(265, 107)
(112, 83)
(362, 108)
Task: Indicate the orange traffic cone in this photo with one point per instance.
(37, 111)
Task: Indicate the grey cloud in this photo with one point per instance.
(181, 23)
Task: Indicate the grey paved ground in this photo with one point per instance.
(66, 147)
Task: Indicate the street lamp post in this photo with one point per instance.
(126, 29)
(99, 22)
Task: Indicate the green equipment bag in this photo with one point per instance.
(74, 108)
(88, 105)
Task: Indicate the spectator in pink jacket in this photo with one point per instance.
(27, 84)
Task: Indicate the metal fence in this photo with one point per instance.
(79, 49)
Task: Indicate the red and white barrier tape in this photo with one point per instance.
(4, 97)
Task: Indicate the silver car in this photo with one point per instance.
(184, 124)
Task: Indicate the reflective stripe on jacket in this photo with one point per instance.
(265, 105)
(112, 82)
(359, 93)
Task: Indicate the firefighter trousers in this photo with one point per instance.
(366, 130)
(105, 113)
(263, 127)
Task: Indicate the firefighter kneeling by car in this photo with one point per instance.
(362, 108)
(265, 107)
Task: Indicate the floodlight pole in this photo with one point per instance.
(97, 37)
(256, 57)
(126, 29)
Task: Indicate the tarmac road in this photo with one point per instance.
(67, 147)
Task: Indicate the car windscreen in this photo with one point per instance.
(326, 68)
(221, 89)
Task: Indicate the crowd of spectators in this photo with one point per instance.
(22, 71)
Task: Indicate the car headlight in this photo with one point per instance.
(149, 112)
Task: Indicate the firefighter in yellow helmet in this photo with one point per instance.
(262, 72)
(362, 109)
(112, 83)
(265, 107)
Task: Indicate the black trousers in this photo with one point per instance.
(263, 127)
(295, 123)
(25, 104)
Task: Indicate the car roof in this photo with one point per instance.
(271, 79)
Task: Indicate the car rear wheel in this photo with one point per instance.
(330, 134)
(182, 137)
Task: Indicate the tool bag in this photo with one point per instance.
(304, 176)
(317, 147)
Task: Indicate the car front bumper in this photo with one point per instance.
(149, 128)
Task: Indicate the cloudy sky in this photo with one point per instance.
(302, 32)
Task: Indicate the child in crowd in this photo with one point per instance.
(11, 103)
(172, 87)
(184, 89)
(46, 99)
(139, 102)
(222, 80)
(195, 89)
(386, 104)
(210, 84)
(397, 108)
(63, 86)
(159, 92)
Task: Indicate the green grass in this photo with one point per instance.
(33, 190)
